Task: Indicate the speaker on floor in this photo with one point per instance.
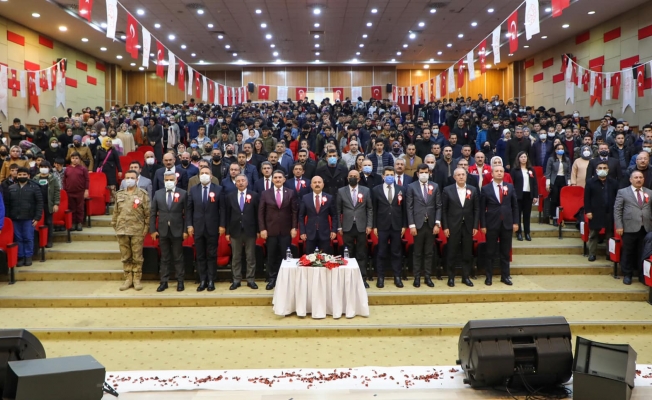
(17, 345)
(64, 378)
(250, 86)
(388, 88)
(603, 371)
(519, 352)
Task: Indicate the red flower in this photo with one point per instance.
(505, 190)
(323, 200)
(468, 194)
(647, 198)
(400, 198)
(530, 172)
(303, 183)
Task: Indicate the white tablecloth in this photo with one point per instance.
(320, 291)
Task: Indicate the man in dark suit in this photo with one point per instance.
(369, 178)
(355, 208)
(151, 166)
(613, 164)
(251, 157)
(599, 199)
(277, 224)
(423, 215)
(470, 178)
(228, 183)
(299, 183)
(460, 216)
(402, 179)
(309, 166)
(170, 204)
(241, 217)
(206, 223)
(390, 221)
(314, 210)
(333, 174)
(249, 170)
(498, 220)
(168, 163)
(264, 183)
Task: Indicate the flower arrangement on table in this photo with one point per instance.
(321, 260)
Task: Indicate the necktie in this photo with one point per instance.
(241, 201)
(317, 203)
(353, 196)
(266, 183)
(638, 197)
(205, 196)
(390, 197)
(298, 185)
(425, 193)
(500, 193)
(169, 199)
(399, 181)
(278, 198)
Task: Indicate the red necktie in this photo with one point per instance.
(266, 183)
(500, 192)
(638, 197)
(317, 203)
(399, 181)
(298, 185)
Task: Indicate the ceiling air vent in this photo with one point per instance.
(194, 6)
(316, 32)
(438, 4)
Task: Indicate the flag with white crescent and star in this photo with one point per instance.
(85, 8)
(512, 28)
(263, 92)
(32, 100)
(160, 53)
(132, 36)
(377, 92)
(640, 80)
(300, 93)
(338, 93)
(182, 79)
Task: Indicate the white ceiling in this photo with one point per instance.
(343, 23)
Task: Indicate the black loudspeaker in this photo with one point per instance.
(65, 378)
(516, 352)
(17, 345)
(250, 86)
(388, 88)
(603, 371)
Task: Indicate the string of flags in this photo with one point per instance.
(30, 84)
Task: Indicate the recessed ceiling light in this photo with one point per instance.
(488, 66)
(140, 11)
(119, 57)
(316, 11)
(449, 45)
(461, 35)
(393, 60)
(201, 61)
(316, 25)
(151, 54)
(548, 9)
(368, 23)
(210, 25)
(263, 25)
(526, 47)
(398, 53)
(374, 10)
(565, 26)
(544, 37)
(268, 36)
(426, 66)
(316, 61)
(272, 45)
(317, 53)
(123, 37)
(316, 44)
(200, 12)
(413, 35)
(192, 54)
(439, 53)
(171, 37)
(141, 68)
(36, 15)
(422, 24)
(133, 64)
(275, 53)
(355, 60)
(432, 60)
(474, 23)
(235, 54)
(102, 48)
(490, 10)
(357, 53)
(433, 10)
(591, 12)
(84, 39)
(228, 46)
(220, 37)
(364, 36)
(405, 46)
(316, 36)
(361, 45)
(63, 28)
(183, 46)
(103, 25)
(259, 11)
(155, 26)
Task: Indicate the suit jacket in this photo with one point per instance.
(309, 169)
(312, 222)
(418, 208)
(405, 180)
(615, 171)
(371, 181)
(286, 163)
(303, 188)
(227, 185)
(277, 221)
(207, 217)
(194, 181)
(453, 212)
(158, 182)
(599, 200)
(259, 186)
(470, 180)
(628, 215)
(149, 171)
(493, 213)
(517, 178)
(389, 216)
(142, 183)
(361, 211)
(169, 219)
(241, 224)
(333, 182)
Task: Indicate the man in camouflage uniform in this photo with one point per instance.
(131, 224)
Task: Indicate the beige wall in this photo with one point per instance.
(627, 45)
(15, 55)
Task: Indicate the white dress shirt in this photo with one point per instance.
(526, 180)
(385, 186)
(461, 193)
(497, 188)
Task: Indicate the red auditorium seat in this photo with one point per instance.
(41, 237)
(223, 252)
(189, 255)
(151, 255)
(134, 156)
(543, 194)
(9, 249)
(63, 217)
(96, 203)
(571, 199)
(585, 231)
(613, 249)
(145, 149)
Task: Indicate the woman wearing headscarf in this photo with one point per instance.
(54, 151)
(15, 157)
(557, 174)
(127, 139)
(578, 171)
(496, 161)
(397, 150)
(107, 161)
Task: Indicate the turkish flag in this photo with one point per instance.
(263, 92)
(482, 52)
(444, 87)
(574, 75)
(338, 94)
(220, 94)
(512, 28)
(211, 91)
(597, 89)
(432, 89)
(558, 6)
(615, 84)
(197, 86)
(300, 93)
(32, 100)
(132, 36)
(43, 80)
(377, 92)
(422, 94)
(160, 52)
(182, 80)
(460, 74)
(13, 83)
(640, 79)
(586, 78)
(85, 8)
(229, 95)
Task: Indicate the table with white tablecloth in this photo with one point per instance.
(319, 291)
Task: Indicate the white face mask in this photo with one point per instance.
(496, 126)
(431, 166)
(170, 185)
(130, 182)
(205, 179)
(551, 134)
(103, 133)
(543, 136)
(575, 115)
(44, 171)
(32, 164)
(149, 161)
(423, 178)
(625, 128)
(586, 153)
(92, 141)
(220, 120)
(435, 131)
(648, 149)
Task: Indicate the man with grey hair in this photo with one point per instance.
(241, 224)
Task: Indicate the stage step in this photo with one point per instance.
(94, 234)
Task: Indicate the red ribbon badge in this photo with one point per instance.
(468, 194)
(248, 198)
(430, 188)
(647, 198)
(323, 200)
(212, 196)
(176, 197)
(400, 198)
(505, 190)
(303, 183)
(136, 202)
(177, 174)
(530, 172)
(360, 198)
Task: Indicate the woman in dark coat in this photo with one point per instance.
(527, 191)
(107, 161)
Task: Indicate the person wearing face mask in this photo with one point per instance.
(355, 208)
(141, 181)
(494, 133)
(54, 150)
(603, 156)
(580, 166)
(397, 150)
(24, 204)
(107, 161)
(599, 198)
(131, 222)
(84, 152)
(423, 216)
(557, 175)
(150, 166)
(50, 192)
(368, 178)
(191, 170)
(541, 150)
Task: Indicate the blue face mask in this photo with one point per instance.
(560, 152)
(366, 169)
(389, 179)
(332, 160)
(193, 145)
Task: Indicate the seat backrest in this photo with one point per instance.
(409, 239)
(144, 149)
(135, 156)
(538, 171)
(584, 229)
(541, 181)
(7, 234)
(97, 184)
(571, 198)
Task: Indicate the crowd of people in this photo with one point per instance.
(275, 170)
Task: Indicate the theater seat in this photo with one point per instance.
(151, 255)
(96, 203)
(41, 237)
(8, 250)
(543, 194)
(584, 232)
(145, 149)
(613, 248)
(571, 199)
(223, 252)
(63, 217)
